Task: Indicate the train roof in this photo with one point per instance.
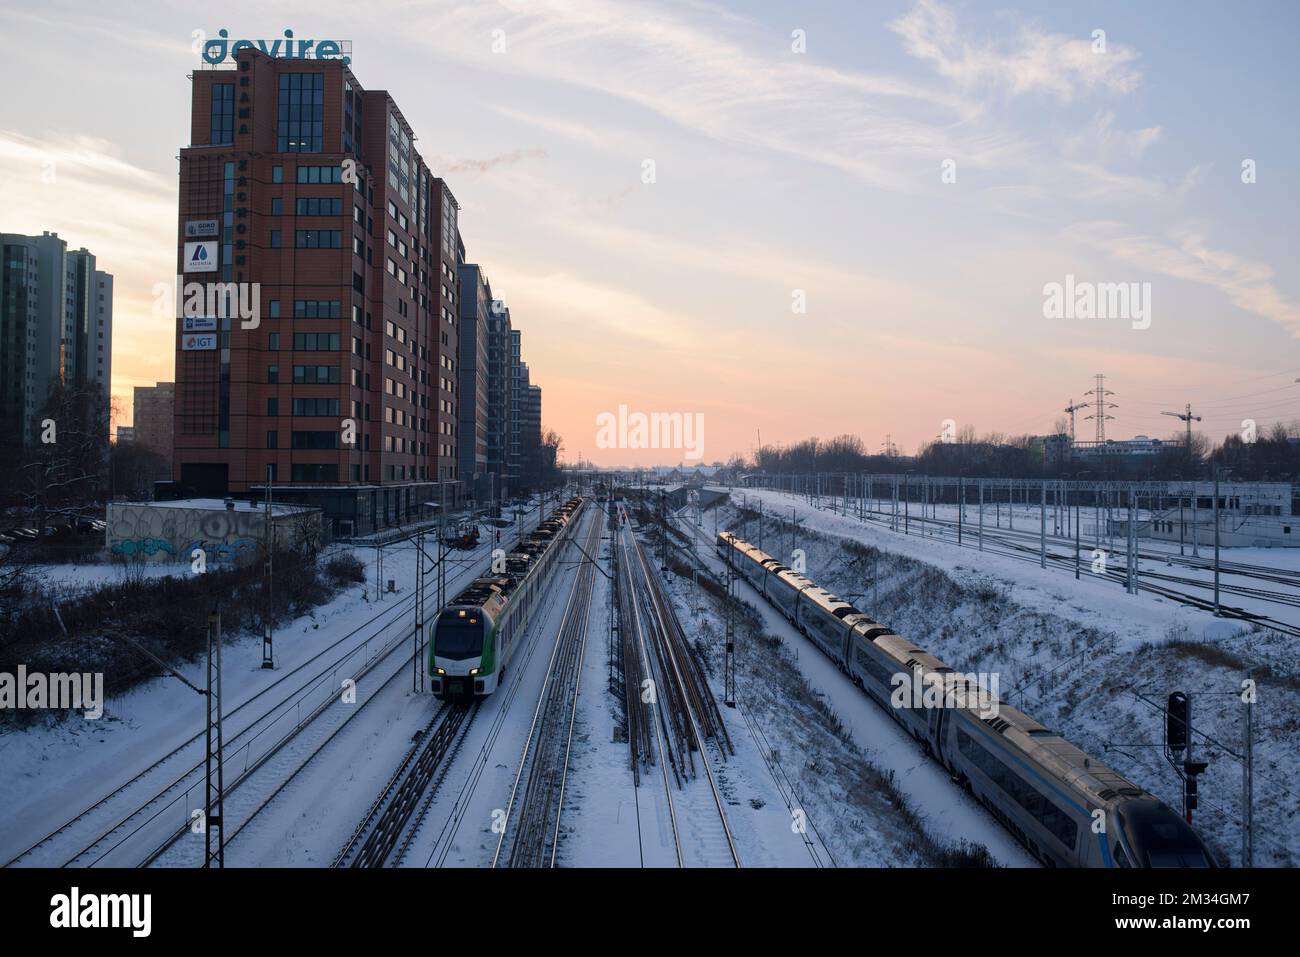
(1094, 780)
(485, 590)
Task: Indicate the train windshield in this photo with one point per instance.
(458, 638)
(1160, 838)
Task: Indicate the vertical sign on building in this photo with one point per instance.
(201, 256)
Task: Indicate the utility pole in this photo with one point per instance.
(729, 676)
(1130, 544)
(1100, 404)
(419, 611)
(1248, 777)
(215, 795)
(268, 620)
(961, 507)
(1042, 523)
(1076, 538)
(893, 503)
(1215, 503)
(1196, 518)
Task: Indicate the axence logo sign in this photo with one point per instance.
(221, 48)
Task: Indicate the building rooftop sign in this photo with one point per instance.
(221, 50)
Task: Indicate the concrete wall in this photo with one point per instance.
(170, 532)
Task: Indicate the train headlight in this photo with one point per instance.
(441, 671)
(473, 671)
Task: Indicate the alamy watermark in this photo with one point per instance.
(200, 304)
(60, 690)
(1098, 300)
(652, 430)
(911, 691)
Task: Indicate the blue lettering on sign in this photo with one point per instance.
(217, 50)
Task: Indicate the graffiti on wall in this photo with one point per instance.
(142, 547)
(224, 553)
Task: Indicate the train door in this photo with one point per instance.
(938, 727)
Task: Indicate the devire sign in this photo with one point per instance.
(221, 48)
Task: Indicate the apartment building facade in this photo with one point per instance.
(500, 397)
(475, 315)
(151, 416)
(303, 197)
(56, 321)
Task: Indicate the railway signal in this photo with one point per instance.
(1178, 748)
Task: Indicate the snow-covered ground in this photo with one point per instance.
(820, 774)
(778, 676)
(51, 772)
(1083, 657)
(1007, 527)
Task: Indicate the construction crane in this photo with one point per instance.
(1189, 419)
(1070, 410)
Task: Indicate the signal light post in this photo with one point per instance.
(268, 621)
(1178, 748)
(214, 796)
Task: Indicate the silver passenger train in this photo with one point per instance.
(1043, 789)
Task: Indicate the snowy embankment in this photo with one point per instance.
(1083, 657)
(867, 792)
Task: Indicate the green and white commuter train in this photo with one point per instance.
(473, 640)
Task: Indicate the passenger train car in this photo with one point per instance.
(1043, 789)
(473, 639)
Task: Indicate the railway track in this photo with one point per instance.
(1024, 546)
(299, 688)
(254, 789)
(376, 838)
(442, 843)
(172, 781)
(688, 731)
(817, 848)
(530, 835)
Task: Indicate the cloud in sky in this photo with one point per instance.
(1029, 60)
(81, 188)
(777, 170)
(451, 167)
(1246, 284)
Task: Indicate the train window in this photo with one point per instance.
(874, 669)
(1034, 802)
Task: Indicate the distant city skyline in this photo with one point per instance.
(806, 222)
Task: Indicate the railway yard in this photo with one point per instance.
(617, 730)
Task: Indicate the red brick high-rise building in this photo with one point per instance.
(305, 192)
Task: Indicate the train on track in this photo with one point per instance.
(1044, 790)
(473, 639)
